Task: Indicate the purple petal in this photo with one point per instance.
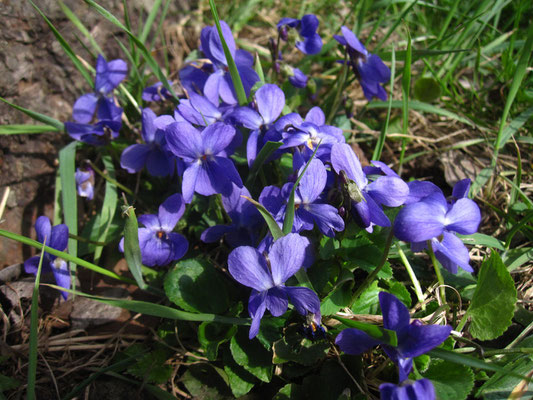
(107, 110)
(451, 252)
(171, 211)
(215, 44)
(214, 233)
(188, 184)
(212, 86)
(62, 275)
(84, 108)
(422, 338)
(304, 300)
(374, 69)
(309, 25)
(377, 216)
(247, 117)
(243, 58)
(226, 91)
(292, 22)
(298, 79)
(256, 308)
(418, 190)
(286, 257)
(276, 301)
(248, 77)
(421, 221)
(316, 116)
(395, 313)
(464, 217)
(202, 104)
(311, 44)
(58, 238)
(148, 126)
(248, 267)
(251, 147)
(31, 265)
(180, 245)
(461, 189)
(159, 162)
(422, 390)
(43, 228)
(270, 102)
(313, 181)
(352, 41)
(150, 221)
(327, 218)
(344, 159)
(109, 74)
(184, 141)
(285, 121)
(216, 137)
(134, 157)
(271, 199)
(355, 342)
(340, 39)
(388, 190)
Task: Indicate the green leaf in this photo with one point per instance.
(212, 334)
(400, 291)
(273, 226)
(69, 200)
(384, 335)
(501, 385)
(196, 286)
(483, 240)
(297, 348)
(515, 258)
(150, 367)
(427, 89)
(267, 150)
(205, 381)
(37, 116)
(132, 251)
(368, 301)
(26, 129)
(492, 306)
(451, 381)
(240, 380)
(250, 355)
(340, 295)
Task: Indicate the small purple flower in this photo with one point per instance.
(267, 275)
(270, 101)
(85, 182)
(245, 224)
(366, 197)
(436, 220)
(56, 238)
(297, 78)
(156, 92)
(419, 390)
(159, 245)
(310, 42)
(414, 338)
(368, 68)
(153, 153)
(208, 171)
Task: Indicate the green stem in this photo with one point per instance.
(440, 278)
(416, 284)
(462, 323)
(370, 278)
(82, 239)
(109, 179)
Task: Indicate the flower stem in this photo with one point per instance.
(370, 278)
(416, 284)
(440, 278)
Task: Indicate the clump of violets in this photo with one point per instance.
(414, 338)
(435, 220)
(267, 274)
(368, 68)
(108, 114)
(158, 243)
(55, 237)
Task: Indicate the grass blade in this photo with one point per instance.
(383, 134)
(150, 20)
(235, 77)
(132, 251)
(158, 310)
(385, 335)
(22, 129)
(37, 116)
(514, 126)
(395, 25)
(66, 47)
(64, 256)
(78, 24)
(406, 85)
(289, 211)
(34, 318)
(67, 170)
(273, 226)
(145, 52)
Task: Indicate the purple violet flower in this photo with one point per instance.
(56, 238)
(436, 220)
(159, 245)
(153, 153)
(414, 338)
(297, 78)
(310, 42)
(270, 101)
(207, 171)
(245, 221)
(156, 92)
(366, 197)
(368, 68)
(85, 182)
(422, 389)
(266, 275)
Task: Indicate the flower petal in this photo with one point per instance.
(304, 300)
(451, 252)
(61, 275)
(344, 159)
(286, 257)
(133, 158)
(395, 313)
(327, 218)
(249, 267)
(388, 190)
(59, 237)
(313, 181)
(276, 301)
(461, 189)
(150, 221)
(270, 101)
(43, 228)
(216, 137)
(316, 116)
(84, 108)
(170, 212)
(352, 41)
(190, 177)
(464, 217)
(214, 233)
(355, 342)
(422, 338)
(180, 245)
(184, 141)
(256, 308)
(247, 117)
